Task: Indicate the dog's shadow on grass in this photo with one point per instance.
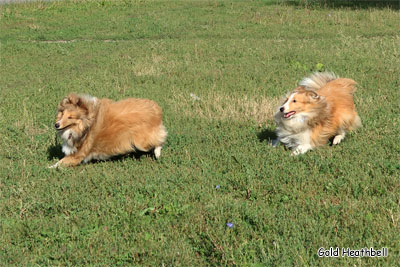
(267, 135)
(55, 152)
(133, 155)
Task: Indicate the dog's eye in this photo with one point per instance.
(69, 117)
(294, 101)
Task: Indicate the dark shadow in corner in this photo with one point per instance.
(266, 135)
(353, 4)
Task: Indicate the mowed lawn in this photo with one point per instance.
(218, 69)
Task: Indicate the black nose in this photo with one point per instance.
(281, 109)
(57, 125)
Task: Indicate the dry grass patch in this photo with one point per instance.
(145, 70)
(219, 106)
(154, 66)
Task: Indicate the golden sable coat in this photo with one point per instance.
(92, 128)
(320, 108)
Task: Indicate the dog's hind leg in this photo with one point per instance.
(338, 138)
(157, 151)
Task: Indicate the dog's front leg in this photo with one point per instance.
(68, 161)
(275, 142)
(301, 149)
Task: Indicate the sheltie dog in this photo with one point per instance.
(320, 108)
(93, 128)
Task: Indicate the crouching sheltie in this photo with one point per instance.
(92, 128)
(320, 108)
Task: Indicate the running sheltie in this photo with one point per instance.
(320, 108)
(93, 128)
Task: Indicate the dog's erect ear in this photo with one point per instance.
(81, 103)
(310, 93)
(74, 99)
(69, 99)
(300, 89)
(64, 102)
(313, 95)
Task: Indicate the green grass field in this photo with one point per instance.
(217, 167)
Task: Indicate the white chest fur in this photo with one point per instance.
(295, 134)
(67, 149)
(68, 146)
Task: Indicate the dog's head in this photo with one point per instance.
(301, 101)
(72, 114)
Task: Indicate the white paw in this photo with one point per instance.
(301, 149)
(157, 152)
(338, 139)
(53, 166)
(275, 142)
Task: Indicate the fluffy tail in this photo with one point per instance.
(317, 80)
(346, 85)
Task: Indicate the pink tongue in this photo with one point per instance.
(287, 115)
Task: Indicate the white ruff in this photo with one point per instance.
(67, 149)
(294, 132)
(68, 146)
